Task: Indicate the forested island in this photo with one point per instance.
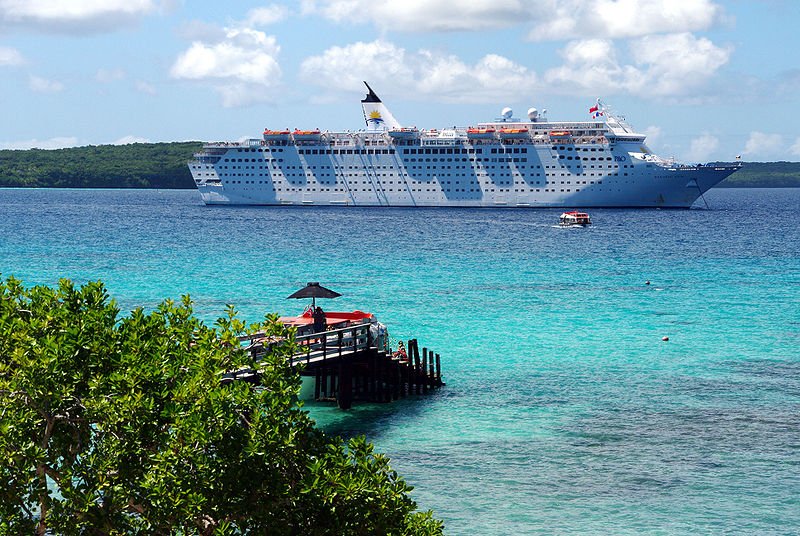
(137, 165)
(164, 165)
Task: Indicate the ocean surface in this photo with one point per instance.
(564, 411)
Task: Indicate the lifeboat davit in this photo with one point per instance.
(404, 133)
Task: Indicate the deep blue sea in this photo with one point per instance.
(564, 411)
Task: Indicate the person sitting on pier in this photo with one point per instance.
(401, 352)
(320, 320)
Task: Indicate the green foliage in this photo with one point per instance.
(765, 175)
(114, 425)
(137, 165)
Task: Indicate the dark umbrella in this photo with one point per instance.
(314, 291)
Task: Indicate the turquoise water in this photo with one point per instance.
(564, 411)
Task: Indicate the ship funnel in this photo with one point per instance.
(376, 114)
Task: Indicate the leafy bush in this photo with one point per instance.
(113, 425)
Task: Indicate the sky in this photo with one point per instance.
(704, 79)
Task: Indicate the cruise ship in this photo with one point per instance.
(507, 162)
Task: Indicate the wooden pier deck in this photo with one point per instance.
(348, 365)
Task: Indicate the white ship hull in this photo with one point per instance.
(597, 165)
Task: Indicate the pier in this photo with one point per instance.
(349, 364)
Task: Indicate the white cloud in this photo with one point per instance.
(243, 66)
(671, 65)
(554, 20)
(677, 63)
(145, 87)
(703, 147)
(674, 65)
(343, 68)
(761, 145)
(197, 30)
(78, 17)
(127, 140)
(52, 143)
(43, 85)
(264, 16)
(795, 148)
(10, 56)
(424, 15)
(590, 66)
(106, 76)
(422, 73)
(653, 134)
(614, 19)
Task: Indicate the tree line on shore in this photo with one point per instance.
(164, 165)
(136, 165)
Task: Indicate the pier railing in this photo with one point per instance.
(332, 343)
(349, 364)
(319, 346)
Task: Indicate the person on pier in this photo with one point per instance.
(401, 352)
(320, 320)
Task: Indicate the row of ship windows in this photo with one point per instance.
(447, 190)
(434, 190)
(426, 150)
(443, 171)
(313, 169)
(315, 189)
(471, 159)
(434, 166)
(291, 176)
(449, 150)
(570, 148)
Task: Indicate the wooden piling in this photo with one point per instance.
(381, 386)
(424, 370)
(415, 373)
(345, 393)
(397, 378)
(371, 381)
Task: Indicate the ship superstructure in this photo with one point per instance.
(504, 163)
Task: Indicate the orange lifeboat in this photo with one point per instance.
(480, 133)
(513, 133)
(276, 134)
(306, 135)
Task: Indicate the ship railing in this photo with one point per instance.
(221, 144)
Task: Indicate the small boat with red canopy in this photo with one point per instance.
(573, 218)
